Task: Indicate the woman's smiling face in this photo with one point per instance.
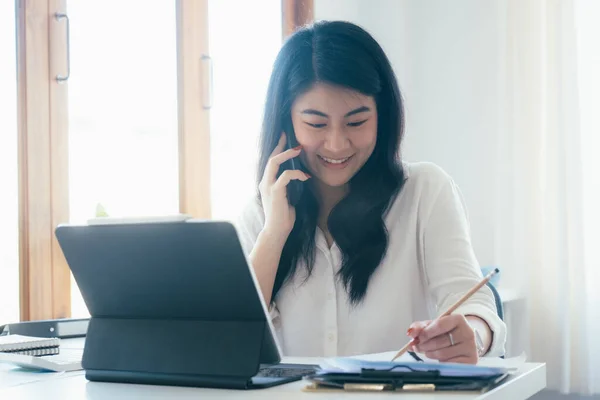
(337, 128)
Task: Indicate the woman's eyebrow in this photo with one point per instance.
(357, 111)
(315, 112)
(322, 114)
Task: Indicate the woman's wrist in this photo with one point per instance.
(264, 259)
(481, 327)
(274, 240)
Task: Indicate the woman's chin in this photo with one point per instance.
(334, 181)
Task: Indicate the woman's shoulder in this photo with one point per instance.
(251, 211)
(426, 177)
(426, 185)
(248, 223)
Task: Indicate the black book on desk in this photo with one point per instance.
(63, 328)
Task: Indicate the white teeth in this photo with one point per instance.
(333, 161)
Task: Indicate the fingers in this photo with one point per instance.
(414, 331)
(447, 353)
(287, 176)
(277, 159)
(416, 328)
(433, 339)
(438, 342)
(441, 326)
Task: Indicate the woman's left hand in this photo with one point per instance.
(449, 339)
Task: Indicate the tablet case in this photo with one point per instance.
(220, 354)
(170, 304)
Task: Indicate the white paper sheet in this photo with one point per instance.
(513, 363)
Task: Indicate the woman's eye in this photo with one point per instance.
(358, 123)
(316, 125)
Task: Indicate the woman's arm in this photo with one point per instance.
(264, 257)
(278, 215)
(450, 266)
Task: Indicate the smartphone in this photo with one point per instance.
(295, 187)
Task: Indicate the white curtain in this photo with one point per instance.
(549, 183)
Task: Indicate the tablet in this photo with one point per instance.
(173, 303)
(138, 219)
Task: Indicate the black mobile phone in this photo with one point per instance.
(295, 187)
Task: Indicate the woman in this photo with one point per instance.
(374, 245)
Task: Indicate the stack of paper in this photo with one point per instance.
(353, 365)
(511, 364)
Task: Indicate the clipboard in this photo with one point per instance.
(407, 376)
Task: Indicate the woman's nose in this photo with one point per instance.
(336, 141)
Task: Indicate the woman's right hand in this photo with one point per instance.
(279, 215)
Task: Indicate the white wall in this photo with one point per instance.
(448, 56)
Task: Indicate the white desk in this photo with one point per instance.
(73, 385)
(17, 384)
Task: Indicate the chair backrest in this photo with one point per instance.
(499, 307)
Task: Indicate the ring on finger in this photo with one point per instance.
(451, 339)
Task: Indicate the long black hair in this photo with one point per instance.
(342, 54)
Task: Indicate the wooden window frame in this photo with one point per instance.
(194, 97)
(296, 13)
(43, 162)
(45, 279)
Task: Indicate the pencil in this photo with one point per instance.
(449, 311)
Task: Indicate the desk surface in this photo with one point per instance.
(19, 384)
(73, 385)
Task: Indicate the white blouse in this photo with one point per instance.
(429, 265)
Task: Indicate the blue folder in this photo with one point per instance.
(353, 374)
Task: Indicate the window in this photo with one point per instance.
(9, 203)
(129, 131)
(123, 126)
(243, 46)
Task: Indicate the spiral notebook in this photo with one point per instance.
(29, 345)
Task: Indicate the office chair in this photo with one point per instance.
(498, 300)
(499, 307)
